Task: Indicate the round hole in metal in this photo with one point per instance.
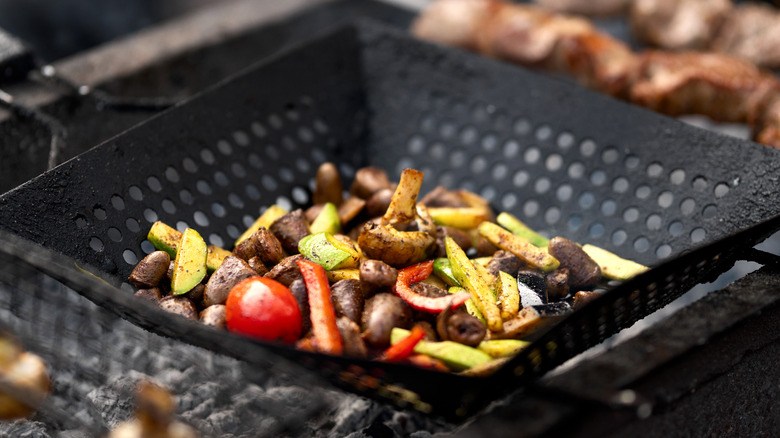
(258, 130)
(114, 234)
(699, 183)
(641, 244)
(207, 156)
(186, 197)
(565, 140)
(168, 206)
(218, 209)
(130, 257)
(136, 193)
(154, 184)
(200, 219)
(663, 251)
(132, 224)
(96, 244)
(564, 192)
(150, 215)
(241, 138)
(698, 235)
(118, 202)
(522, 126)
(709, 211)
(224, 147)
(665, 199)
(416, 145)
(721, 190)
(216, 239)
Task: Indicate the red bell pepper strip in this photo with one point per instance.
(419, 272)
(405, 347)
(327, 338)
(425, 361)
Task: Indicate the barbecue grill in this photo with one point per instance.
(566, 160)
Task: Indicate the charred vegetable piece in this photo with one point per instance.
(327, 338)
(189, 267)
(468, 276)
(327, 186)
(164, 238)
(385, 241)
(265, 220)
(518, 246)
(381, 313)
(456, 356)
(502, 347)
(343, 274)
(327, 221)
(583, 270)
(215, 257)
(150, 270)
(416, 273)
(462, 218)
(404, 348)
(443, 270)
(530, 319)
(517, 226)
(613, 266)
(329, 252)
(508, 296)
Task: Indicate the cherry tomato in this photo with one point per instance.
(265, 309)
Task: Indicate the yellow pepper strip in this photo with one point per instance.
(517, 226)
(472, 281)
(471, 308)
(463, 217)
(613, 266)
(518, 246)
(268, 217)
(343, 274)
(508, 296)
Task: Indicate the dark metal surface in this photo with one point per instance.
(566, 160)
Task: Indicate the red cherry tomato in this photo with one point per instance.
(265, 309)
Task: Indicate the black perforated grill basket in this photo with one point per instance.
(565, 160)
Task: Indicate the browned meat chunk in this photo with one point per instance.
(504, 261)
(290, 229)
(378, 273)
(678, 24)
(230, 272)
(382, 312)
(369, 180)
(268, 247)
(214, 316)
(725, 88)
(181, 306)
(286, 271)
(150, 270)
(583, 271)
(377, 204)
(152, 294)
(348, 298)
(557, 284)
(751, 31)
(328, 187)
(354, 346)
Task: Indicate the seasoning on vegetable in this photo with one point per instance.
(416, 273)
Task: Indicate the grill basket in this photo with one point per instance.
(567, 161)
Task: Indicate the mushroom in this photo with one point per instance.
(406, 233)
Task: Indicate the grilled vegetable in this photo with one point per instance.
(530, 319)
(189, 267)
(517, 226)
(327, 338)
(459, 326)
(327, 221)
(613, 266)
(518, 246)
(386, 242)
(463, 217)
(164, 238)
(467, 275)
(264, 309)
(215, 257)
(508, 296)
(404, 347)
(443, 270)
(502, 347)
(456, 356)
(329, 252)
(419, 272)
(265, 220)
